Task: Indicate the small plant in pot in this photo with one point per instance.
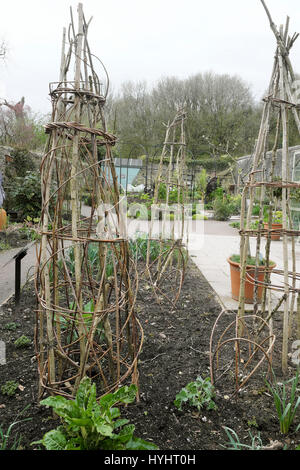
(234, 262)
(276, 224)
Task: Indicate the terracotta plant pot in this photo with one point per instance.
(3, 219)
(274, 236)
(249, 283)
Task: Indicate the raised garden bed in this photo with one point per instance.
(175, 352)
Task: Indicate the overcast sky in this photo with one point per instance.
(143, 40)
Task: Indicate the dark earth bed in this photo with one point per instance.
(175, 352)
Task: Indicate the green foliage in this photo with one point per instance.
(215, 164)
(295, 194)
(173, 194)
(22, 185)
(4, 246)
(222, 210)
(89, 321)
(138, 248)
(235, 204)
(5, 437)
(224, 206)
(29, 230)
(252, 422)
(92, 255)
(162, 192)
(220, 110)
(88, 424)
(9, 388)
(286, 404)
(22, 342)
(218, 193)
(255, 210)
(235, 443)
(70, 261)
(145, 197)
(235, 225)
(24, 195)
(87, 199)
(251, 260)
(201, 183)
(22, 162)
(11, 326)
(276, 217)
(199, 217)
(93, 260)
(39, 136)
(254, 225)
(199, 393)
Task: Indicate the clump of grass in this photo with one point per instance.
(5, 437)
(286, 404)
(234, 442)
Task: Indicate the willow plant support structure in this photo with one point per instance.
(86, 282)
(249, 352)
(280, 99)
(171, 259)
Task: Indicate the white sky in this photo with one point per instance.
(143, 40)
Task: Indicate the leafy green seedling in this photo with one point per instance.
(9, 388)
(89, 424)
(22, 342)
(199, 393)
(11, 326)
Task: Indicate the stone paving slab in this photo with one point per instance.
(211, 259)
(7, 270)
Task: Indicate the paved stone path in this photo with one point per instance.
(7, 270)
(217, 246)
(210, 244)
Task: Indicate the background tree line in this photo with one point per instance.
(223, 117)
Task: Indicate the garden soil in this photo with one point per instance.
(176, 351)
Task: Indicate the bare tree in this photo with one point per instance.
(17, 108)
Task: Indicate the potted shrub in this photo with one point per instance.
(276, 224)
(234, 262)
